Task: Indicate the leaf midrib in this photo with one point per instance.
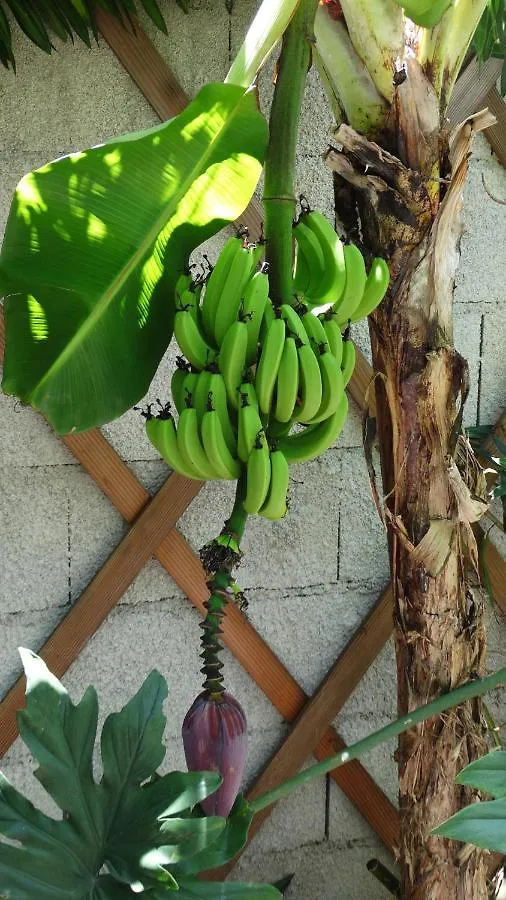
(127, 270)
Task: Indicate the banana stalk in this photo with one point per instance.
(376, 29)
(443, 48)
(352, 87)
(266, 29)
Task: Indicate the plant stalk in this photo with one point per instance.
(219, 558)
(279, 191)
(465, 692)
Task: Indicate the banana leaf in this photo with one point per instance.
(94, 243)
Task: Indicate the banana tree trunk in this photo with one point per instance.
(409, 202)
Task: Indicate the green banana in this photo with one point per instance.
(192, 343)
(334, 279)
(258, 475)
(310, 385)
(309, 245)
(294, 324)
(232, 359)
(218, 394)
(270, 358)
(190, 446)
(354, 288)
(215, 446)
(162, 434)
(332, 386)
(216, 282)
(375, 289)
(177, 383)
(232, 293)
(247, 394)
(200, 397)
(301, 273)
(275, 506)
(279, 429)
(268, 317)
(256, 296)
(287, 382)
(348, 360)
(333, 335)
(183, 283)
(249, 427)
(315, 439)
(315, 332)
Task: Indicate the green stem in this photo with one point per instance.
(465, 692)
(219, 558)
(279, 199)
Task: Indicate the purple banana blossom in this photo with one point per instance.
(215, 740)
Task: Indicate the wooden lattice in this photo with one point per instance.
(153, 529)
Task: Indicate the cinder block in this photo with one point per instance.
(327, 871)
(26, 439)
(363, 557)
(481, 272)
(307, 628)
(34, 505)
(24, 629)
(493, 368)
(94, 111)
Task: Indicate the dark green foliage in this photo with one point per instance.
(490, 36)
(66, 18)
(133, 832)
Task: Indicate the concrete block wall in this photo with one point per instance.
(311, 578)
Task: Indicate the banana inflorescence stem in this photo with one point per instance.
(219, 558)
(279, 191)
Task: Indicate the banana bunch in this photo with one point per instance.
(328, 272)
(253, 373)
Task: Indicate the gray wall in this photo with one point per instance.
(310, 578)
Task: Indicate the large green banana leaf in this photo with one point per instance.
(94, 243)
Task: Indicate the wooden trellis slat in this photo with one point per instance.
(121, 487)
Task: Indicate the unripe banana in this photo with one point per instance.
(183, 283)
(354, 288)
(312, 251)
(232, 293)
(247, 395)
(275, 506)
(315, 439)
(232, 359)
(294, 326)
(301, 273)
(256, 296)
(348, 360)
(189, 386)
(192, 343)
(333, 335)
(200, 397)
(177, 383)
(249, 427)
(332, 386)
(310, 391)
(375, 289)
(162, 434)
(190, 446)
(334, 278)
(315, 332)
(218, 393)
(215, 284)
(269, 316)
(287, 383)
(216, 448)
(270, 358)
(258, 476)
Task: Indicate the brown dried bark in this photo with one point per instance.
(410, 215)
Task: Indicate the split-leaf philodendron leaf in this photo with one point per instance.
(94, 242)
(482, 823)
(126, 835)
